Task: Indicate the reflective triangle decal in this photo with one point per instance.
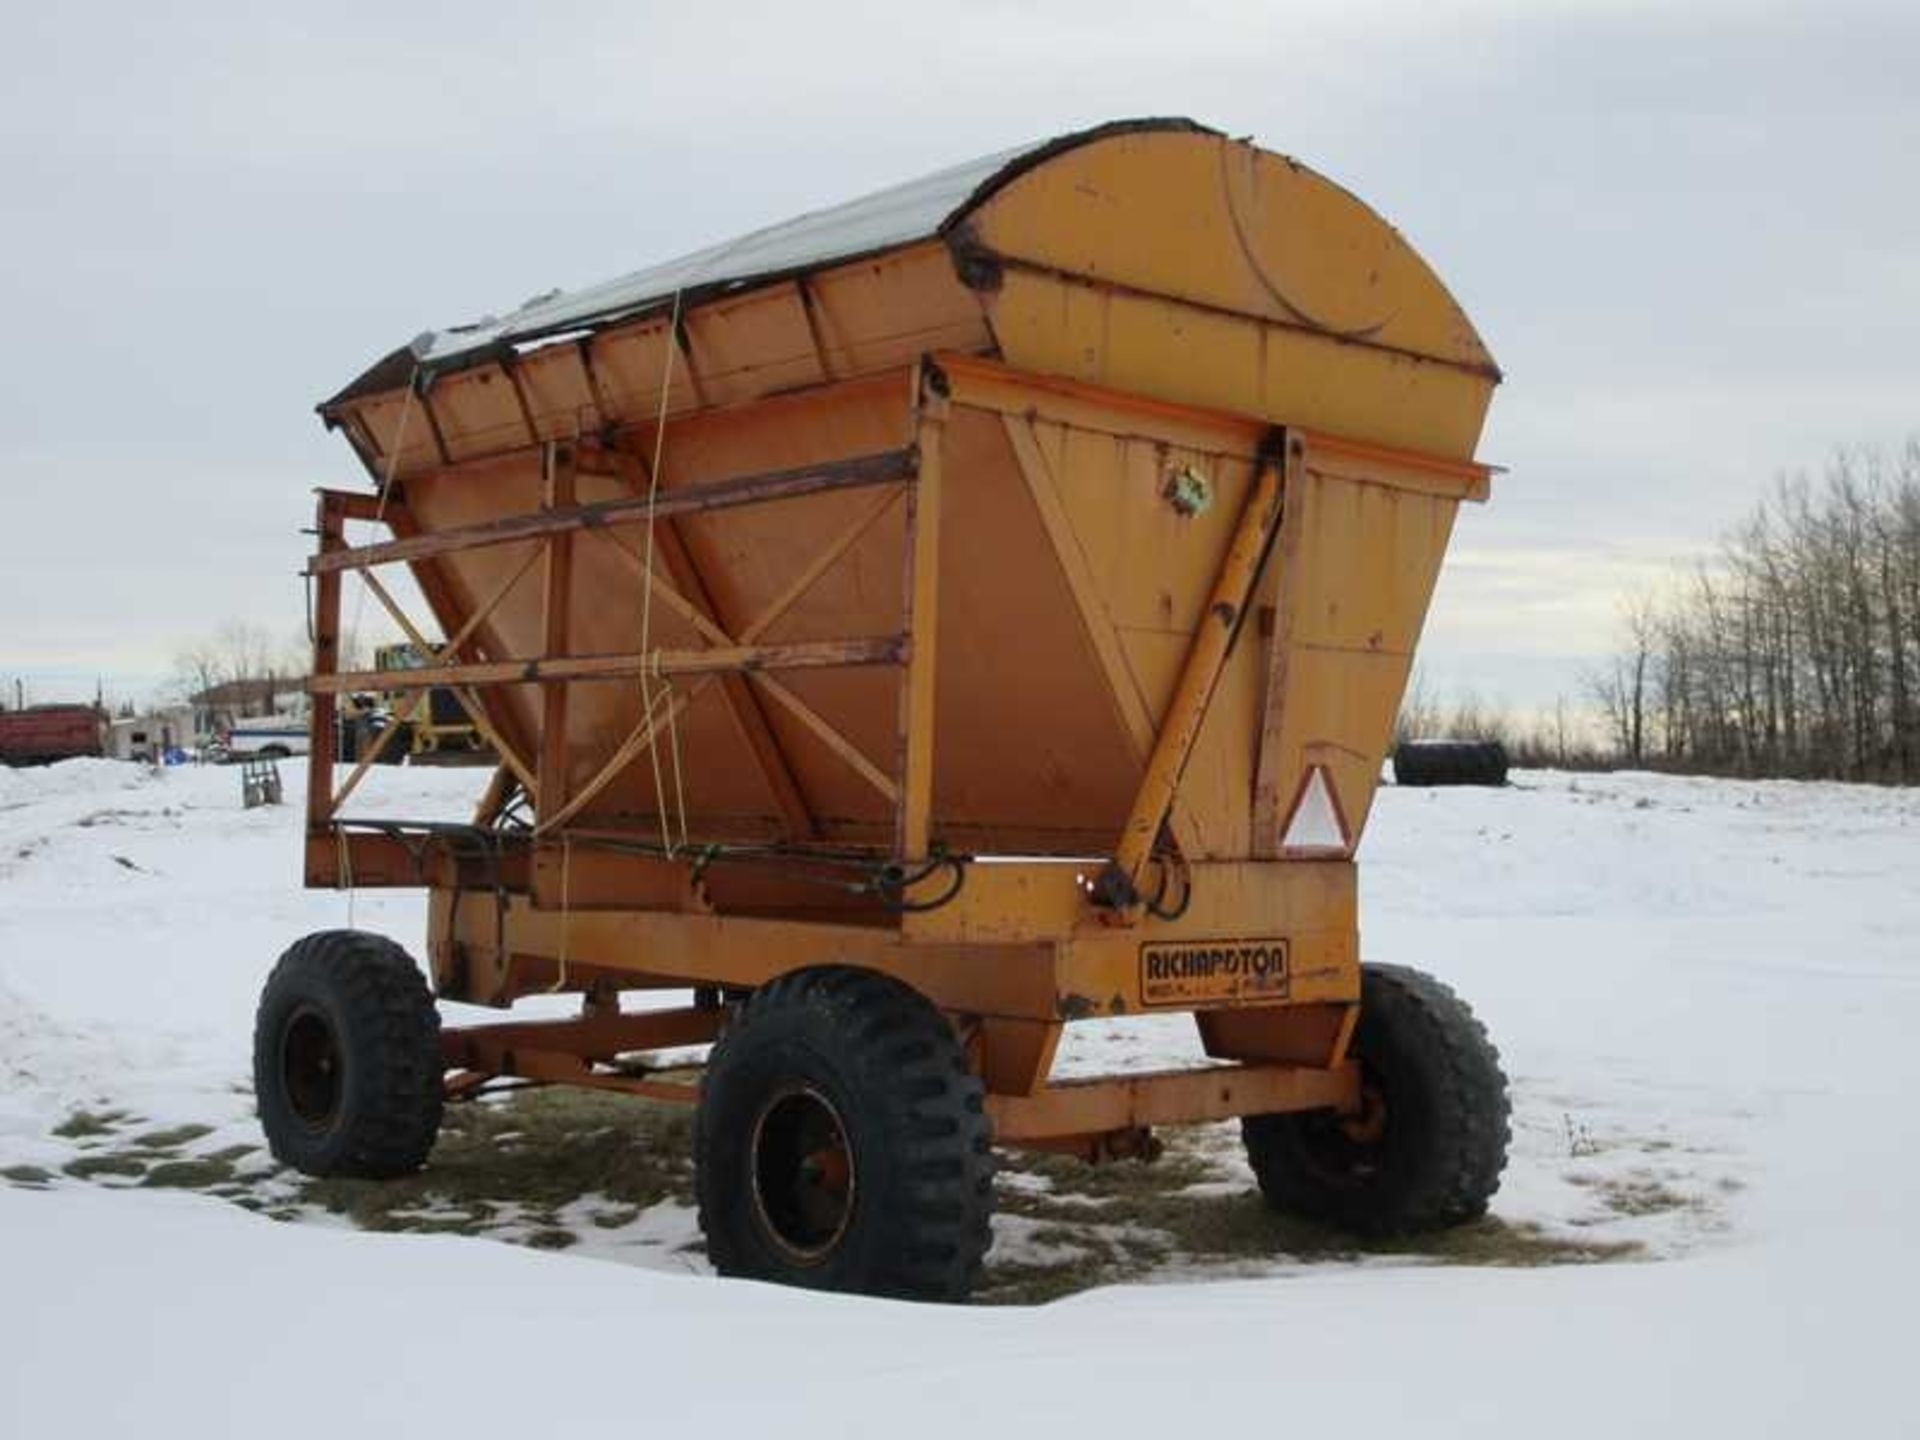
(1316, 826)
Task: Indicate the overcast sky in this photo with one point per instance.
(1690, 234)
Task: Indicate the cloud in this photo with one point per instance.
(1687, 234)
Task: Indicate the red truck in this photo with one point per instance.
(41, 734)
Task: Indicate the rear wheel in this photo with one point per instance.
(1427, 1148)
(843, 1143)
(346, 1058)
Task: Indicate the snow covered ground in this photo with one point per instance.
(1706, 993)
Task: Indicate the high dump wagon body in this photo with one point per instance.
(907, 631)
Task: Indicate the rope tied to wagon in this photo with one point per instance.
(346, 868)
(650, 677)
(386, 492)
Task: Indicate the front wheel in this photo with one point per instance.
(346, 1058)
(842, 1142)
(1426, 1150)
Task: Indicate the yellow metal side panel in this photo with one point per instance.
(394, 420)
(1358, 566)
(1216, 359)
(1294, 377)
(1154, 568)
(1100, 973)
(478, 414)
(1371, 555)
(630, 363)
(1028, 746)
(1023, 901)
(1233, 227)
(1340, 711)
(559, 394)
(1154, 564)
(1020, 960)
(890, 310)
(840, 324)
(747, 347)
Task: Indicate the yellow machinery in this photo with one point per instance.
(905, 632)
(438, 722)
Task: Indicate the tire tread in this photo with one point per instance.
(390, 1034)
(924, 1097)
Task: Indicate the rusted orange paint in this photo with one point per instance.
(1171, 321)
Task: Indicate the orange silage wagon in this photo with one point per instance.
(908, 631)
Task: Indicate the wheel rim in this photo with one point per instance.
(310, 1070)
(1348, 1150)
(1367, 1127)
(803, 1173)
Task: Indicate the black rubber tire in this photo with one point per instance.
(347, 1069)
(918, 1144)
(1431, 1157)
(1450, 762)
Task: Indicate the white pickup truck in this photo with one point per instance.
(268, 737)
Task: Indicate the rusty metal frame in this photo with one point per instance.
(580, 1051)
(883, 468)
(1220, 626)
(801, 655)
(438, 655)
(914, 807)
(1011, 995)
(1071, 1108)
(728, 659)
(696, 608)
(650, 726)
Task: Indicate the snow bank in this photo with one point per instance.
(168, 1318)
(1705, 991)
(68, 777)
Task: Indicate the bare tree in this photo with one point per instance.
(1797, 651)
(1419, 711)
(1623, 690)
(238, 667)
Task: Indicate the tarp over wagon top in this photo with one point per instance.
(897, 215)
(1398, 306)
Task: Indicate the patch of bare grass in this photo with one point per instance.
(202, 1173)
(1190, 1212)
(93, 1167)
(91, 1124)
(518, 1167)
(1643, 1194)
(172, 1138)
(500, 1165)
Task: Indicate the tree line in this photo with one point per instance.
(1796, 650)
